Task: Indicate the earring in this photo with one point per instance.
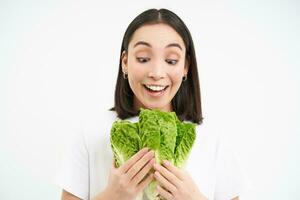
(184, 77)
(125, 76)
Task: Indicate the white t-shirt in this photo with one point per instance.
(85, 168)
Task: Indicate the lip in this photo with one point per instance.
(155, 94)
(161, 85)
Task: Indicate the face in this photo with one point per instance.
(155, 64)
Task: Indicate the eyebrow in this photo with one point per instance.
(149, 45)
(174, 45)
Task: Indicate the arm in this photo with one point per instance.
(236, 198)
(126, 181)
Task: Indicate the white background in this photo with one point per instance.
(59, 60)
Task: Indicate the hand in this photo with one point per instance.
(130, 178)
(175, 184)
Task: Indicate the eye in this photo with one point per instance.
(142, 59)
(171, 62)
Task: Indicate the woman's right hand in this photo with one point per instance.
(129, 179)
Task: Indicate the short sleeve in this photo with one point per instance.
(231, 179)
(73, 175)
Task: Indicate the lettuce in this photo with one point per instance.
(160, 131)
(125, 141)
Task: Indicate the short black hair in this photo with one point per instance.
(187, 101)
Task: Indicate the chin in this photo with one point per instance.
(156, 106)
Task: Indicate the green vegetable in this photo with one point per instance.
(125, 141)
(160, 131)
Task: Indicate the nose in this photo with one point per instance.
(157, 71)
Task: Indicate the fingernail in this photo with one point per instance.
(144, 150)
(166, 162)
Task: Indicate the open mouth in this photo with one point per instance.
(155, 89)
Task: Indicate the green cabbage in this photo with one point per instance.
(160, 131)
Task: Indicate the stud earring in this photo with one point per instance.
(125, 76)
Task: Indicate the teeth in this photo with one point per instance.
(156, 88)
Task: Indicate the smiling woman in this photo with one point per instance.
(155, 64)
(157, 71)
(158, 48)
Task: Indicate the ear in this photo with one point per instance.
(124, 62)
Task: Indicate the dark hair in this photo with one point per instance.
(187, 102)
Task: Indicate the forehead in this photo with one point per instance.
(158, 35)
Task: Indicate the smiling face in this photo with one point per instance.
(155, 64)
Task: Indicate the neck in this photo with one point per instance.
(137, 105)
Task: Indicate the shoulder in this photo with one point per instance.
(96, 119)
(215, 134)
(204, 129)
(206, 145)
(96, 125)
(207, 135)
(212, 145)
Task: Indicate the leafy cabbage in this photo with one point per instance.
(160, 131)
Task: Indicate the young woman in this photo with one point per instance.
(157, 70)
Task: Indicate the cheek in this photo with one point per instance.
(135, 75)
(135, 72)
(176, 75)
(134, 67)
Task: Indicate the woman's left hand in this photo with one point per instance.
(175, 184)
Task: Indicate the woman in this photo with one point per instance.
(157, 70)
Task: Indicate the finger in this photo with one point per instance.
(164, 193)
(168, 175)
(113, 163)
(128, 164)
(140, 164)
(164, 182)
(174, 170)
(138, 177)
(145, 182)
